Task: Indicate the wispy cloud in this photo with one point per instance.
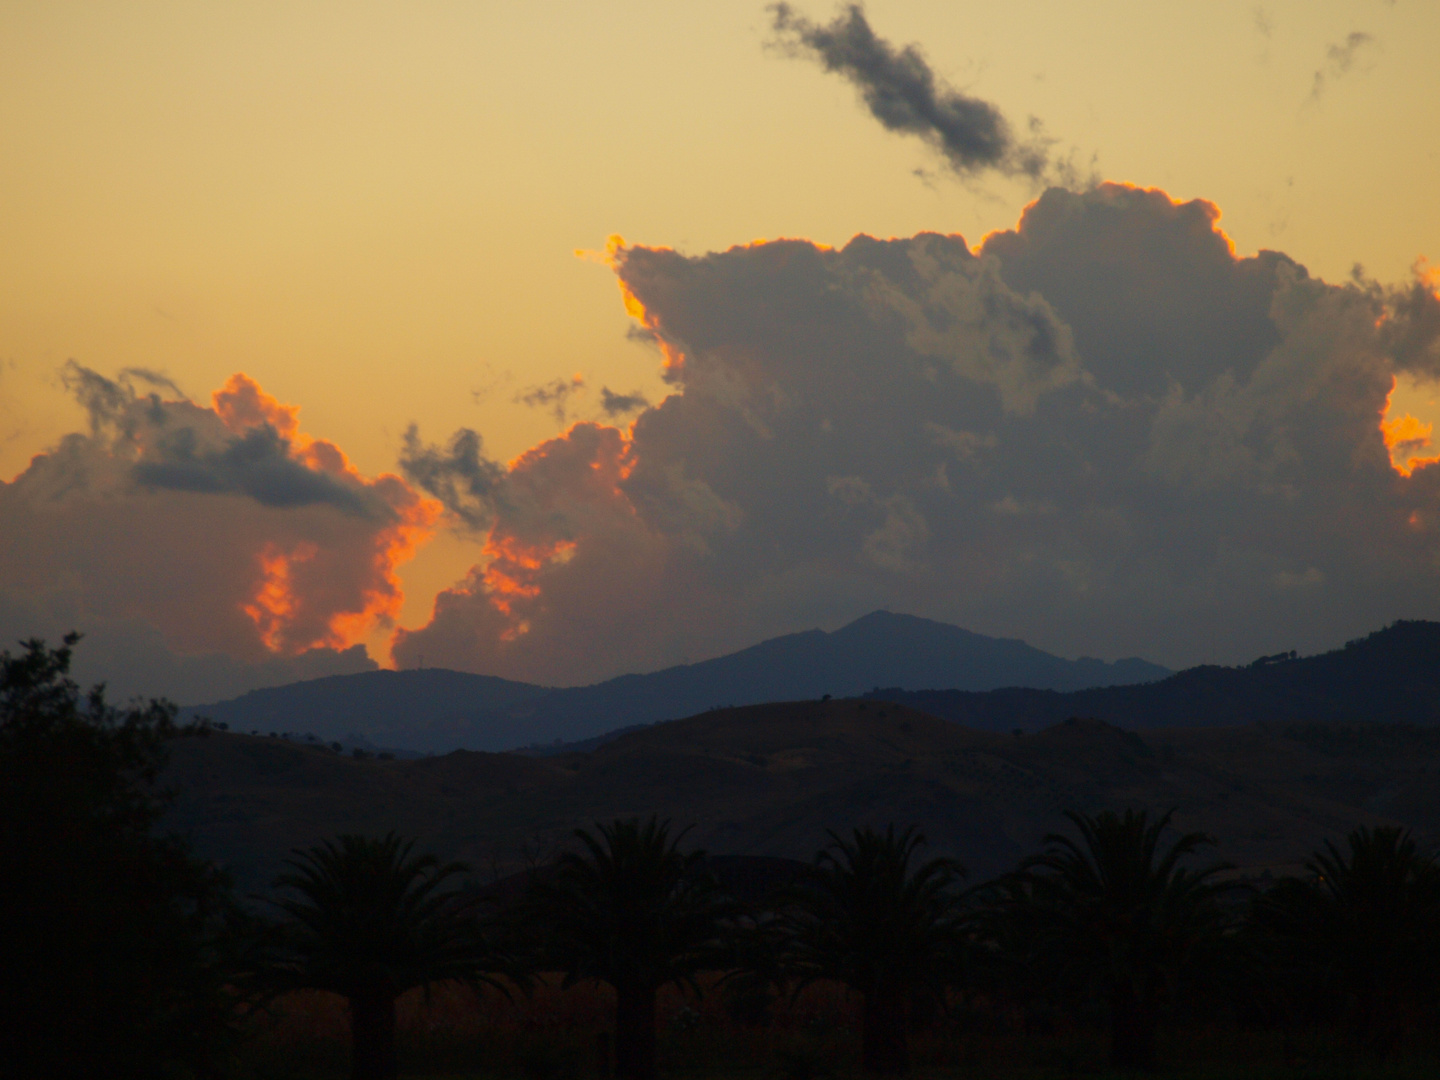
(1339, 59)
(553, 395)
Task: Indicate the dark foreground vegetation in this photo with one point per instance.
(1117, 948)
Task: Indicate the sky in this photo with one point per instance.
(320, 347)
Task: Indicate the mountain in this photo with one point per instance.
(1392, 674)
(769, 780)
(430, 710)
(416, 709)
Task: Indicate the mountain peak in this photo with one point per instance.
(883, 648)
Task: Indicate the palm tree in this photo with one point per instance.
(370, 920)
(891, 932)
(1362, 932)
(634, 911)
(1116, 917)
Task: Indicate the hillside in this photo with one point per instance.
(418, 709)
(1392, 674)
(771, 779)
(442, 710)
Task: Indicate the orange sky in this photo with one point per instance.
(373, 212)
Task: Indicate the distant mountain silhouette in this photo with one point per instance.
(1392, 675)
(415, 709)
(445, 710)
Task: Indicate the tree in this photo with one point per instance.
(1359, 939)
(892, 932)
(634, 911)
(1116, 917)
(114, 939)
(370, 920)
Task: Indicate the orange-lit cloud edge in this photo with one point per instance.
(508, 570)
(241, 405)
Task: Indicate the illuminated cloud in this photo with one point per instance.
(193, 538)
(902, 92)
(1102, 431)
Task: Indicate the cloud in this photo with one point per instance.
(223, 529)
(460, 475)
(553, 395)
(1339, 59)
(614, 404)
(902, 92)
(1102, 430)
(134, 659)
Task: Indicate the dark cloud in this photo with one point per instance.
(1339, 59)
(257, 464)
(175, 446)
(459, 474)
(554, 395)
(903, 93)
(1103, 432)
(223, 529)
(615, 405)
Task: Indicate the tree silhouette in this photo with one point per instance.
(634, 911)
(1116, 917)
(113, 940)
(1359, 939)
(866, 918)
(370, 920)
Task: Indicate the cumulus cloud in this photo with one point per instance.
(174, 531)
(904, 94)
(1102, 430)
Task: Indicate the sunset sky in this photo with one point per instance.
(247, 246)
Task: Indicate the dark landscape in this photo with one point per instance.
(771, 779)
(790, 799)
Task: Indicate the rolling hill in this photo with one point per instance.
(435, 710)
(771, 779)
(1392, 674)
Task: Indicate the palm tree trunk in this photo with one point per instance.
(884, 1050)
(372, 1036)
(635, 1032)
(1132, 1029)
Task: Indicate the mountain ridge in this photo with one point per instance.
(1391, 674)
(879, 649)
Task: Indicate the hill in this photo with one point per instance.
(441, 710)
(1392, 674)
(770, 780)
(413, 710)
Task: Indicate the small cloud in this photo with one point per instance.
(552, 395)
(616, 405)
(964, 444)
(459, 474)
(1339, 59)
(1288, 580)
(490, 383)
(902, 92)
